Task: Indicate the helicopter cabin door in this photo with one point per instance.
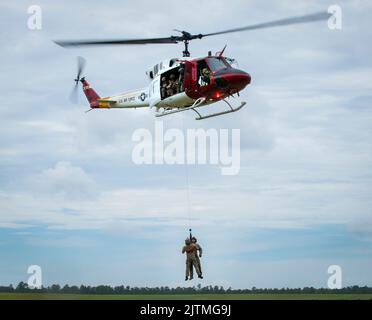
(190, 79)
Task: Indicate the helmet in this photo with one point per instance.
(187, 241)
(172, 76)
(164, 79)
(193, 239)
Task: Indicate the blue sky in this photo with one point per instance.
(72, 201)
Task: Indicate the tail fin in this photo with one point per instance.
(90, 93)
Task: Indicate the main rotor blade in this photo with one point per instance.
(187, 36)
(277, 23)
(71, 43)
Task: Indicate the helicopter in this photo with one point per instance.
(181, 84)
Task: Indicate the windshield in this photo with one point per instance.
(216, 64)
(232, 62)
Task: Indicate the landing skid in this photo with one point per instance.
(232, 109)
(198, 104)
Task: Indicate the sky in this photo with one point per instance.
(73, 202)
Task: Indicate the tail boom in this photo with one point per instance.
(133, 99)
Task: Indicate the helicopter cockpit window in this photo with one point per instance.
(232, 62)
(216, 64)
(172, 62)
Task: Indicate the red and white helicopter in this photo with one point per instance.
(199, 81)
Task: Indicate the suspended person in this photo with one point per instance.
(189, 250)
(198, 250)
(191, 261)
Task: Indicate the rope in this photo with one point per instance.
(188, 205)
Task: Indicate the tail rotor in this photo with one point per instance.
(74, 93)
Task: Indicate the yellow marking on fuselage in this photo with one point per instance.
(104, 105)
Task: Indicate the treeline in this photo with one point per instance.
(55, 288)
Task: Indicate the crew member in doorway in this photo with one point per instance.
(206, 74)
(171, 85)
(164, 84)
(176, 84)
(180, 79)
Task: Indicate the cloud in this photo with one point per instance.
(64, 181)
(66, 197)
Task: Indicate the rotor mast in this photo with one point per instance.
(186, 52)
(186, 38)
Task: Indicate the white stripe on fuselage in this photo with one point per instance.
(134, 99)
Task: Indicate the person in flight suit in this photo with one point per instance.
(171, 85)
(164, 84)
(176, 84)
(180, 79)
(191, 252)
(198, 248)
(206, 76)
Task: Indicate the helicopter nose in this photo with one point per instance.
(239, 80)
(233, 79)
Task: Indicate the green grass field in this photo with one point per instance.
(39, 296)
